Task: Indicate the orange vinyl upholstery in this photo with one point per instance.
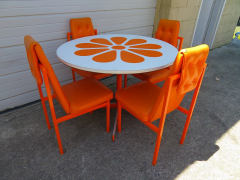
(85, 94)
(82, 27)
(148, 102)
(55, 85)
(144, 99)
(76, 98)
(193, 62)
(168, 31)
(132, 98)
(93, 92)
(30, 43)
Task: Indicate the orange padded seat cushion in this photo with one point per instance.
(86, 74)
(139, 99)
(81, 27)
(85, 94)
(154, 76)
(168, 31)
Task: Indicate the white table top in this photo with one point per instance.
(126, 54)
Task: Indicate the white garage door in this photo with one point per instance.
(48, 23)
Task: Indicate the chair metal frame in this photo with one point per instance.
(56, 120)
(159, 130)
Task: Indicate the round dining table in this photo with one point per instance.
(118, 54)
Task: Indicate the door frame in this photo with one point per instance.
(214, 23)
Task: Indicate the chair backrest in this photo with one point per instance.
(36, 56)
(30, 43)
(81, 27)
(168, 31)
(189, 64)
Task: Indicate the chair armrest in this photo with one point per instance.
(95, 31)
(68, 36)
(180, 44)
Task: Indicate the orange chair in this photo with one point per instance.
(82, 27)
(76, 98)
(168, 31)
(148, 102)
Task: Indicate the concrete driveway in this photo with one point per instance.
(28, 150)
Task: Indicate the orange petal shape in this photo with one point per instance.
(89, 52)
(148, 53)
(89, 45)
(135, 41)
(147, 46)
(106, 57)
(118, 47)
(118, 40)
(130, 57)
(101, 41)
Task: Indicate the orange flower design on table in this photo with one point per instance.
(106, 51)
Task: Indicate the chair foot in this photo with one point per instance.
(154, 162)
(61, 152)
(186, 127)
(113, 138)
(181, 141)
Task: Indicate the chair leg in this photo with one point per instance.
(157, 146)
(73, 74)
(189, 116)
(185, 128)
(44, 107)
(159, 134)
(158, 141)
(161, 123)
(125, 80)
(45, 77)
(194, 99)
(58, 137)
(119, 116)
(46, 115)
(108, 117)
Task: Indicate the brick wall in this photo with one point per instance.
(186, 11)
(162, 12)
(227, 24)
